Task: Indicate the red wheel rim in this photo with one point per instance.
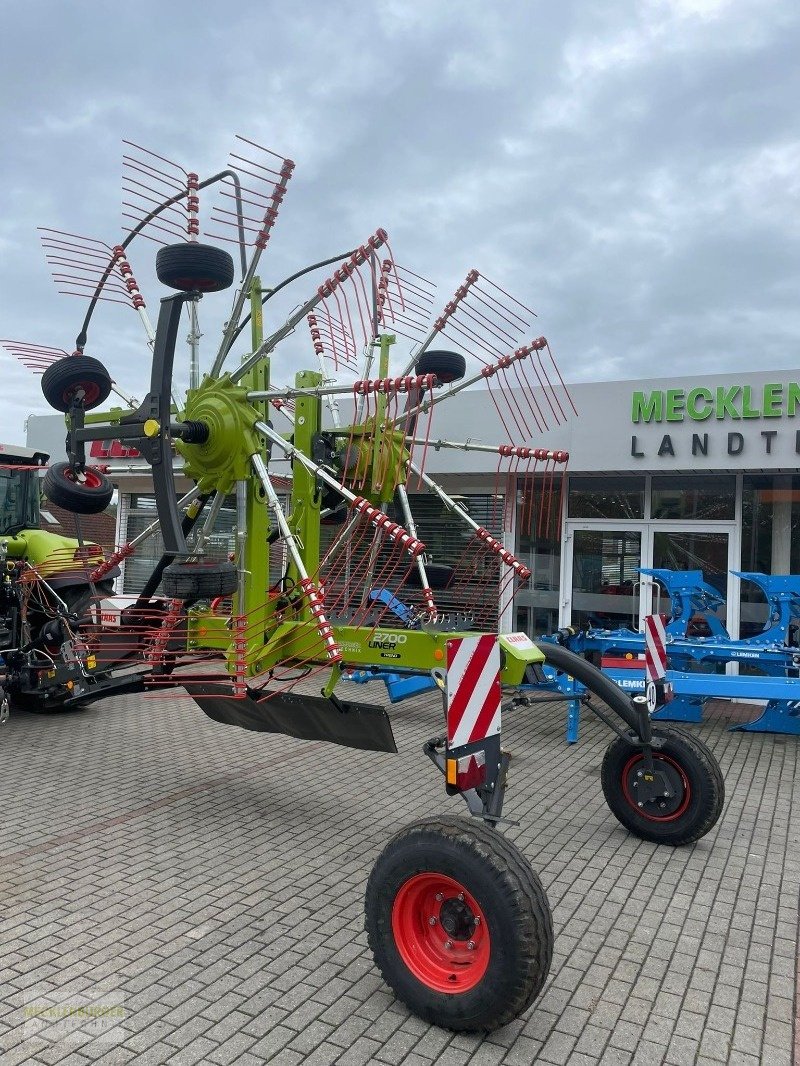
(668, 809)
(93, 479)
(90, 389)
(440, 932)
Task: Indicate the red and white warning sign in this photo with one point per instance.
(474, 692)
(655, 652)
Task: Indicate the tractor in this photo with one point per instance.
(46, 594)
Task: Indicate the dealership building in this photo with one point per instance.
(689, 473)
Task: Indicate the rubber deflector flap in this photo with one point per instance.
(356, 725)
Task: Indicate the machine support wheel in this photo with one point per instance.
(459, 924)
(691, 778)
(199, 581)
(66, 377)
(193, 266)
(447, 366)
(90, 496)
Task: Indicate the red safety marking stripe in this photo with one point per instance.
(469, 680)
(487, 714)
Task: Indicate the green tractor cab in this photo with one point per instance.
(46, 593)
(62, 560)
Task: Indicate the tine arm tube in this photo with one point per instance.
(491, 542)
(313, 594)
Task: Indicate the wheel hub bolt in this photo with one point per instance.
(431, 920)
(471, 945)
(477, 920)
(461, 896)
(640, 805)
(448, 944)
(666, 794)
(638, 773)
(439, 897)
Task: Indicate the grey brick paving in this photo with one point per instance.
(211, 881)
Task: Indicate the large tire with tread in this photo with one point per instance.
(62, 380)
(194, 267)
(691, 770)
(479, 890)
(62, 488)
(199, 581)
(447, 366)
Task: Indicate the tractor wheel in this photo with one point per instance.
(459, 924)
(693, 775)
(199, 581)
(91, 496)
(440, 576)
(194, 267)
(447, 366)
(64, 378)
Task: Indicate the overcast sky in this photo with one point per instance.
(631, 170)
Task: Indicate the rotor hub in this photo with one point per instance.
(223, 458)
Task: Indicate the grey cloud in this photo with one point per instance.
(628, 170)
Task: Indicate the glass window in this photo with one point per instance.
(605, 577)
(539, 548)
(770, 539)
(141, 513)
(681, 497)
(606, 497)
(475, 586)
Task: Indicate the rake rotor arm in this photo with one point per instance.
(496, 547)
(269, 293)
(486, 372)
(329, 287)
(269, 343)
(542, 454)
(244, 289)
(80, 342)
(408, 519)
(311, 590)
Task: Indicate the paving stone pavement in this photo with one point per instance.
(203, 886)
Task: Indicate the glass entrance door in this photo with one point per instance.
(603, 566)
(674, 547)
(601, 583)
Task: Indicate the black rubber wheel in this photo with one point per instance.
(440, 576)
(199, 581)
(688, 767)
(81, 497)
(447, 366)
(62, 380)
(194, 267)
(459, 924)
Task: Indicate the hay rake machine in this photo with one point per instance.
(328, 573)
